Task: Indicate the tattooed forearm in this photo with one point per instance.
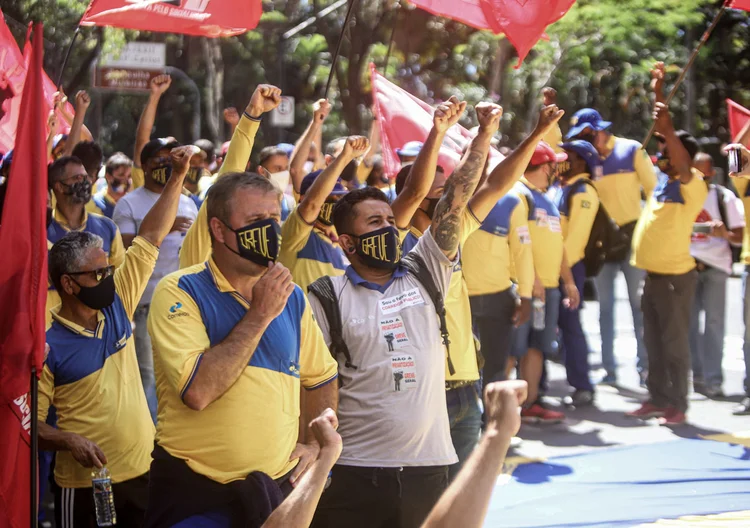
(446, 222)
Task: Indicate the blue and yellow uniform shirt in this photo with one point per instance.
(92, 379)
(457, 308)
(626, 171)
(92, 223)
(578, 204)
(545, 231)
(661, 241)
(196, 248)
(308, 252)
(254, 425)
(743, 189)
(104, 203)
(499, 253)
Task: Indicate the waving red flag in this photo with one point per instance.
(738, 118)
(23, 286)
(204, 18)
(467, 12)
(12, 75)
(740, 4)
(403, 118)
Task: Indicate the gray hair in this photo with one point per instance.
(335, 145)
(221, 193)
(69, 254)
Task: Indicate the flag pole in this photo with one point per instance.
(349, 14)
(393, 35)
(67, 56)
(34, 497)
(690, 62)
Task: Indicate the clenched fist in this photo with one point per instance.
(548, 118)
(489, 115)
(265, 98)
(448, 113)
(502, 402)
(160, 84)
(321, 109)
(355, 146)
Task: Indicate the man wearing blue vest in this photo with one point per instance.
(627, 172)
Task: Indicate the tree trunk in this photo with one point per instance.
(688, 121)
(214, 86)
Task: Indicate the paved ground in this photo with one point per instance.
(605, 425)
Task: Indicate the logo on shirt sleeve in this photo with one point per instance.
(176, 311)
(585, 204)
(523, 234)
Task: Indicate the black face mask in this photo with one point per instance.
(119, 187)
(663, 163)
(564, 169)
(100, 296)
(80, 191)
(258, 242)
(431, 205)
(161, 174)
(194, 174)
(587, 136)
(325, 216)
(380, 248)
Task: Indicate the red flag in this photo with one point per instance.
(738, 118)
(23, 241)
(403, 118)
(15, 459)
(740, 4)
(205, 18)
(467, 12)
(12, 75)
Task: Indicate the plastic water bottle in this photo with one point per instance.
(104, 499)
(538, 314)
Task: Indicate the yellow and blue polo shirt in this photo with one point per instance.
(138, 177)
(661, 241)
(578, 204)
(743, 189)
(308, 252)
(625, 171)
(196, 248)
(554, 138)
(500, 253)
(457, 308)
(92, 223)
(93, 381)
(254, 425)
(545, 231)
(104, 203)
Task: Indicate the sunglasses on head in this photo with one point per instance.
(100, 274)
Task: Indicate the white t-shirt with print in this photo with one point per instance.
(716, 252)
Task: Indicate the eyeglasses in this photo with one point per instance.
(100, 274)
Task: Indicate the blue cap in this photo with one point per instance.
(586, 151)
(586, 118)
(412, 148)
(308, 180)
(7, 160)
(288, 148)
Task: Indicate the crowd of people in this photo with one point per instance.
(314, 342)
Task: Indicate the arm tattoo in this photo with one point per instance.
(458, 189)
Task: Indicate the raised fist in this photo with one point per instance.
(265, 98)
(448, 113)
(160, 84)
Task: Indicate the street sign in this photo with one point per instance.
(121, 79)
(283, 115)
(132, 68)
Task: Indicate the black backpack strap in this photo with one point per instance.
(417, 266)
(530, 205)
(323, 290)
(722, 204)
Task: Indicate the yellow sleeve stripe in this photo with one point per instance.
(192, 377)
(323, 383)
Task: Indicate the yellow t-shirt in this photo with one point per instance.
(578, 221)
(196, 248)
(91, 207)
(500, 253)
(661, 242)
(457, 308)
(743, 189)
(308, 252)
(554, 138)
(545, 232)
(626, 171)
(92, 379)
(254, 425)
(136, 174)
(92, 223)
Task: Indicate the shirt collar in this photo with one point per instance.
(76, 328)
(530, 185)
(610, 146)
(415, 231)
(220, 281)
(357, 280)
(60, 219)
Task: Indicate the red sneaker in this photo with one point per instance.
(538, 414)
(673, 417)
(647, 410)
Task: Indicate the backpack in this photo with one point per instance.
(326, 295)
(608, 242)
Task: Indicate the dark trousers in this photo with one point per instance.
(74, 507)
(492, 316)
(667, 302)
(573, 338)
(380, 497)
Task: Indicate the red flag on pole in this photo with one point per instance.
(738, 118)
(23, 286)
(12, 75)
(403, 118)
(523, 22)
(740, 4)
(204, 18)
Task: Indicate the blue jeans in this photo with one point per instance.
(145, 355)
(605, 290)
(707, 348)
(573, 338)
(465, 417)
(746, 344)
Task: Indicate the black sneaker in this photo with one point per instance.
(580, 398)
(743, 409)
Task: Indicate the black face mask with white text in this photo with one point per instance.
(258, 242)
(380, 248)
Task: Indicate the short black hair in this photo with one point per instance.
(56, 170)
(220, 193)
(403, 174)
(689, 142)
(269, 152)
(343, 211)
(207, 146)
(90, 154)
(116, 161)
